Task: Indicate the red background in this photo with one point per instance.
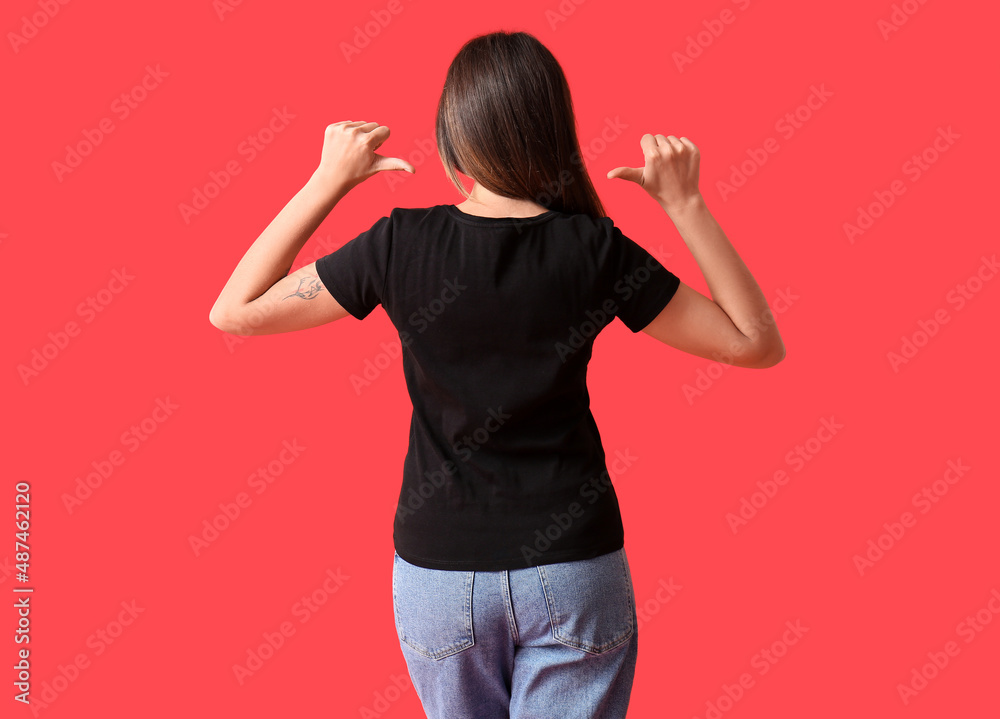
(238, 399)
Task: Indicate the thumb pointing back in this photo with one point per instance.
(633, 174)
(391, 163)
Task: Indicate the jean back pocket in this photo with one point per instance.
(433, 608)
(591, 603)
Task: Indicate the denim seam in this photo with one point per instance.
(512, 623)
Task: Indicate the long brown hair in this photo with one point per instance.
(505, 119)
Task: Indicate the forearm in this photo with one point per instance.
(271, 255)
(732, 286)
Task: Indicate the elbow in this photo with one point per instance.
(239, 320)
(233, 323)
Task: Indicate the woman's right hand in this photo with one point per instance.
(670, 175)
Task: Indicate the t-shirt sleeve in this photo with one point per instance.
(640, 285)
(355, 273)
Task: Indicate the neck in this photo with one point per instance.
(488, 204)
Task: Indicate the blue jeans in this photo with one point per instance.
(555, 640)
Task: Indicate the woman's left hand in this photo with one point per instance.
(349, 156)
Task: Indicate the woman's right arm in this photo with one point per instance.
(736, 326)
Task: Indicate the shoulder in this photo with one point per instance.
(583, 221)
(595, 232)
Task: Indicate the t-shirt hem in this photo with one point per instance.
(667, 294)
(346, 303)
(518, 562)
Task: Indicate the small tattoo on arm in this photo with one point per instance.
(309, 287)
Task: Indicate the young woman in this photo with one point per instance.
(512, 593)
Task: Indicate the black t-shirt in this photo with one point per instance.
(497, 319)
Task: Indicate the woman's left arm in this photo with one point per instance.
(261, 297)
